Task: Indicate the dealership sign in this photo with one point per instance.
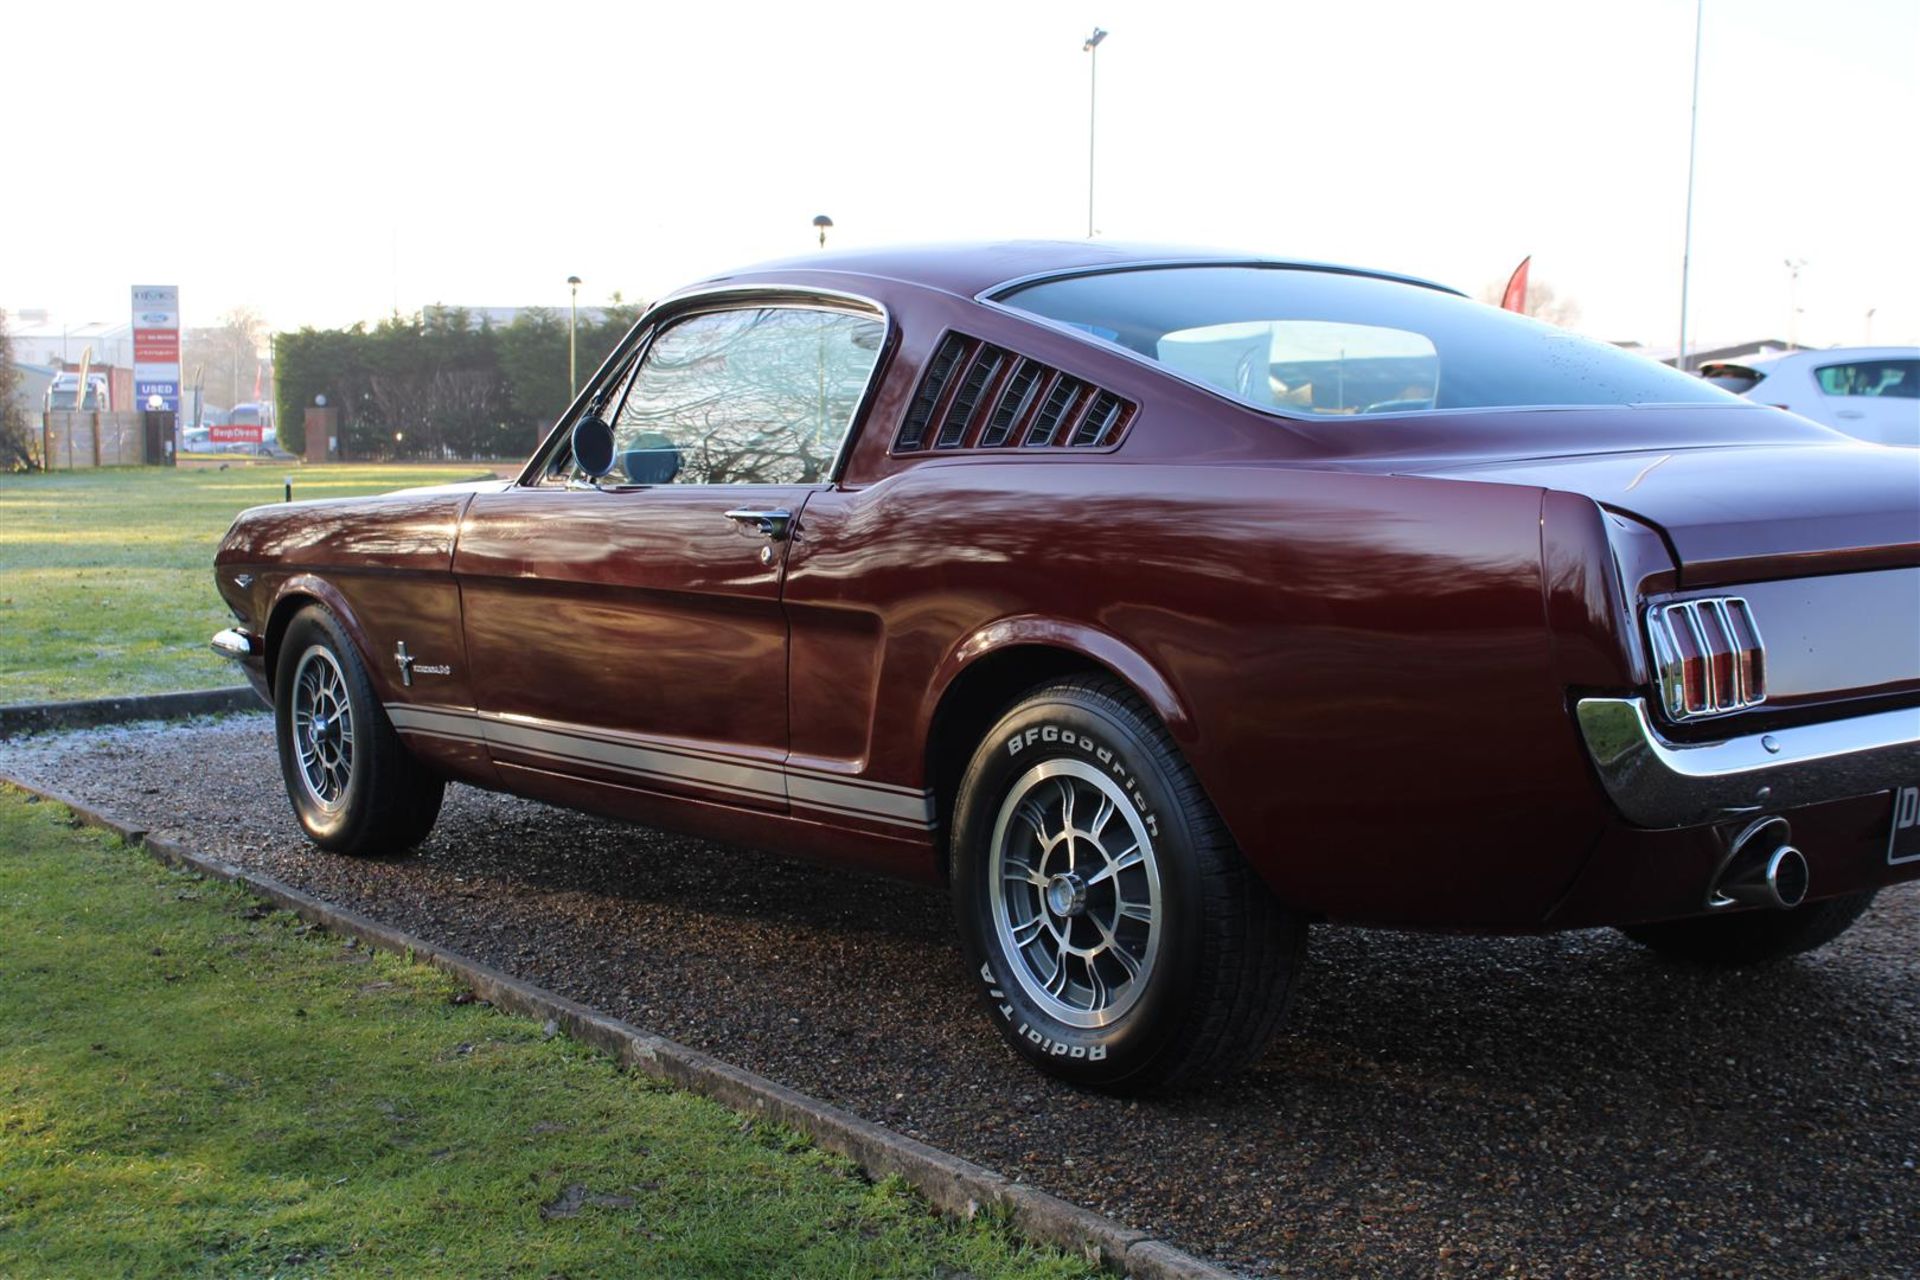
(237, 433)
(156, 345)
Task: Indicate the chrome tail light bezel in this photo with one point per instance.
(1721, 637)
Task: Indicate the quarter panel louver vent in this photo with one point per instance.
(1015, 399)
(913, 431)
(1054, 411)
(1102, 417)
(975, 395)
(980, 375)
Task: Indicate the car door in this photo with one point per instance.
(1876, 399)
(629, 632)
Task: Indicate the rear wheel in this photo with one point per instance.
(1118, 937)
(1753, 937)
(354, 787)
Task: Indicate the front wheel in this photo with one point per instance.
(354, 787)
(1753, 937)
(1117, 936)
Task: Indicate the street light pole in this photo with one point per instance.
(573, 323)
(1693, 144)
(1092, 48)
(1793, 302)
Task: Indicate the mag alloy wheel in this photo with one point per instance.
(321, 729)
(1075, 892)
(1115, 936)
(354, 785)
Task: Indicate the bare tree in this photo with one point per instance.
(16, 431)
(225, 357)
(1544, 302)
(439, 410)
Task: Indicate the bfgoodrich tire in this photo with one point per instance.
(1753, 937)
(354, 787)
(1116, 936)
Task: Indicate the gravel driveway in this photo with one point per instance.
(1556, 1106)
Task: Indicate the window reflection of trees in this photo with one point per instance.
(757, 396)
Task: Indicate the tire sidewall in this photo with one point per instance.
(1066, 725)
(317, 628)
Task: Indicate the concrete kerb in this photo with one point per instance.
(952, 1185)
(40, 717)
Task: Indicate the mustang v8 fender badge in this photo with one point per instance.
(411, 666)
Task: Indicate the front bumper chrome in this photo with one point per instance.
(233, 643)
(1659, 783)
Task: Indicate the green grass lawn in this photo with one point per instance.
(191, 1084)
(106, 577)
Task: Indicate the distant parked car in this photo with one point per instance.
(1869, 392)
(64, 391)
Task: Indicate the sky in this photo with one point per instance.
(329, 164)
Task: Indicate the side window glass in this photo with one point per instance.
(1897, 378)
(754, 396)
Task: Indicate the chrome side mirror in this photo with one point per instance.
(593, 445)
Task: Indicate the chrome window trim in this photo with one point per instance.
(993, 293)
(728, 297)
(1659, 783)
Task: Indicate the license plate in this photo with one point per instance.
(1903, 845)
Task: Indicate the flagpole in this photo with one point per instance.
(1693, 146)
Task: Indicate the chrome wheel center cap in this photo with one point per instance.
(1066, 894)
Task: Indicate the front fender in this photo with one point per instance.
(294, 594)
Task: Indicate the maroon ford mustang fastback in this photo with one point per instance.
(1159, 603)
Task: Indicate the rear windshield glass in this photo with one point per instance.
(1327, 344)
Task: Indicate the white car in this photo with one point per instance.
(1869, 392)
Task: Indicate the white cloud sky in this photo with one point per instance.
(413, 153)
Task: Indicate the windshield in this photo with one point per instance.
(1328, 344)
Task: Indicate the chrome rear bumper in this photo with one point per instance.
(1659, 783)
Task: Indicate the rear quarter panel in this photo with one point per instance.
(1369, 687)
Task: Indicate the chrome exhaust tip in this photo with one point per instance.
(1775, 878)
(1762, 870)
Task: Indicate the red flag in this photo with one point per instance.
(1515, 298)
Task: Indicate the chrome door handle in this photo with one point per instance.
(776, 524)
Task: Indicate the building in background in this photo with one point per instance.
(1697, 356)
(51, 340)
(30, 392)
(501, 317)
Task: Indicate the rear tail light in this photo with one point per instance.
(1710, 657)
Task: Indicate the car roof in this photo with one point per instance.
(971, 269)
